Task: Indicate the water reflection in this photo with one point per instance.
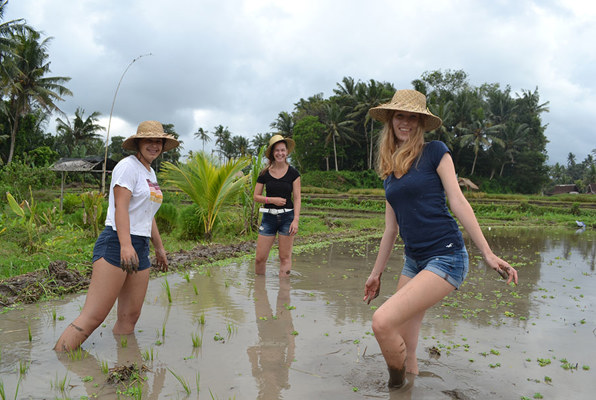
(272, 357)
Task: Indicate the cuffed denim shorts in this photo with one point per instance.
(272, 224)
(451, 267)
(107, 246)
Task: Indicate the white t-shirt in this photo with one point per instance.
(146, 198)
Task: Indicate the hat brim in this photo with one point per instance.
(384, 112)
(170, 143)
(290, 144)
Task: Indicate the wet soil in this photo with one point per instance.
(310, 336)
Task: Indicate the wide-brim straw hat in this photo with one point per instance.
(151, 130)
(290, 144)
(407, 100)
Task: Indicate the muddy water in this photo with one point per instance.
(310, 336)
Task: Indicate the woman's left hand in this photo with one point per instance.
(293, 228)
(503, 268)
(161, 260)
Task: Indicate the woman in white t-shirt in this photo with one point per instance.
(121, 254)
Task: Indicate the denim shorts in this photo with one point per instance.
(452, 267)
(107, 246)
(280, 223)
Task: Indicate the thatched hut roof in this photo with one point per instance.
(87, 164)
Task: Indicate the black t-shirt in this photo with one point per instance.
(279, 187)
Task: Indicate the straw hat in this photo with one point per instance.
(410, 101)
(151, 130)
(290, 144)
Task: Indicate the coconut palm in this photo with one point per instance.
(209, 186)
(481, 133)
(338, 127)
(203, 136)
(284, 124)
(513, 137)
(80, 132)
(26, 84)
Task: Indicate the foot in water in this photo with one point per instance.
(397, 377)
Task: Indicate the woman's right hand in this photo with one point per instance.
(372, 288)
(129, 260)
(278, 201)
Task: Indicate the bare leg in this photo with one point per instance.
(400, 317)
(130, 302)
(264, 244)
(285, 254)
(106, 281)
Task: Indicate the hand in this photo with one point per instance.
(129, 260)
(161, 260)
(503, 268)
(372, 288)
(278, 201)
(293, 228)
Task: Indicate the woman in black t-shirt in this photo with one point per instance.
(281, 210)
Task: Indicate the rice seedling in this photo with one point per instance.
(123, 341)
(231, 328)
(187, 276)
(105, 369)
(61, 384)
(201, 319)
(182, 381)
(149, 354)
(77, 354)
(197, 380)
(54, 315)
(166, 286)
(163, 330)
(29, 332)
(197, 340)
(23, 367)
(196, 290)
(2, 391)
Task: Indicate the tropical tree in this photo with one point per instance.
(481, 133)
(240, 146)
(338, 127)
(284, 124)
(513, 136)
(259, 140)
(81, 131)
(173, 155)
(203, 136)
(210, 187)
(223, 141)
(26, 84)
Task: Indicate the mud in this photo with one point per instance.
(309, 336)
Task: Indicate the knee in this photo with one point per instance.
(285, 259)
(381, 325)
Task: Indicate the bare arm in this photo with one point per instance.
(160, 252)
(259, 198)
(465, 214)
(129, 260)
(373, 283)
(297, 200)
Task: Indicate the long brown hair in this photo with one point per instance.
(395, 159)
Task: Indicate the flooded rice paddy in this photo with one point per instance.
(223, 333)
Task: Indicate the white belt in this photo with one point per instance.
(275, 211)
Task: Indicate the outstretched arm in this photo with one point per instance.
(465, 214)
(373, 283)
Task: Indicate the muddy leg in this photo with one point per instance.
(264, 244)
(285, 255)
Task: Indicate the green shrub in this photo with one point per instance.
(71, 202)
(191, 225)
(17, 177)
(166, 217)
(342, 180)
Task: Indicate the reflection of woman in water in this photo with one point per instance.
(418, 177)
(121, 253)
(272, 356)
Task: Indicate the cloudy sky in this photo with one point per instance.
(239, 63)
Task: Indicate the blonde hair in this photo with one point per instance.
(395, 159)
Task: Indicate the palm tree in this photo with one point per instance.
(209, 186)
(80, 132)
(481, 133)
(26, 84)
(223, 141)
(284, 124)
(514, 137)
(203, 136)
(338, 127)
